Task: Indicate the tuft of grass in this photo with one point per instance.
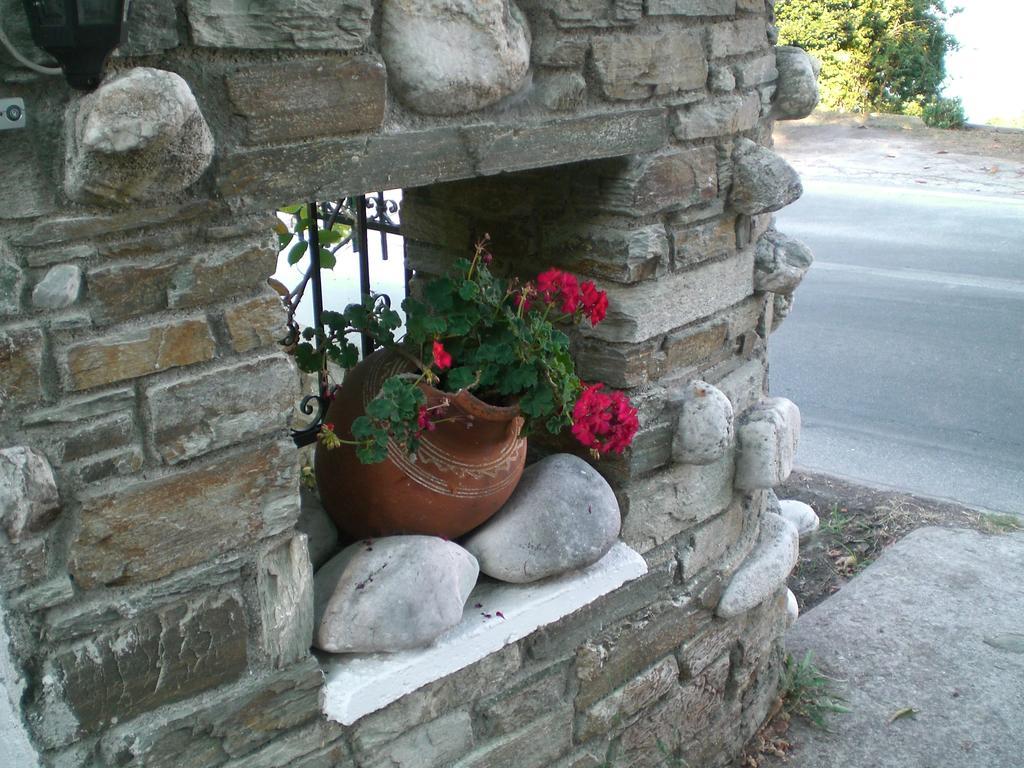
(998, 522)
(836, 522)
(807, 692)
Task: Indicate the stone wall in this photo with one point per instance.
(153, 577)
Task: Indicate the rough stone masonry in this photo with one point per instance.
(153, 581)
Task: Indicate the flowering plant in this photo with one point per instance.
(472, 330)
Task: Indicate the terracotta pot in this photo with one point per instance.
(463, 472)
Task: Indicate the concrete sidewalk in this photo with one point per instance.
(937, 624)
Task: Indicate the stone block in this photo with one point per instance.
(190, 517)
(637, 313)
(448, 58)
(670, 180)
(704, 428)
(561, 91)
(653, 739)
(152, 27)
(620, 366)
(24, 564)
(130, 289)
(47, 257)
(765, 570)
(321, 533)
(617, 655)
(255, 323)
(139, 136)
(721, 79)
(608, 252)
(693, 244)
(719, 116)
(636, 695)
(691, 7)
(265, 176)
(135, 352)
(756, 71)
(163, 657)
(662, 505)
(597, 13)
(221, 272)
(704, 697)
(284, 587)
(21, 365)
(11, 281)
(709, 542)
(79, 227)
(28, 492)
(280, 24)
(529, 702)
(767, 442)
(59, 288)
(333, 756)
(484, 678)
(735, 37)
(346, 95)
(750, 6)
(432, 745)
(553, 50)
(714, 641)
(35, 193)
(631, 67)
(216, 408)
(535, 746)
(762, 181)
(228, 724)
(285, 750)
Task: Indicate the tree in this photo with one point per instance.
(880, 55)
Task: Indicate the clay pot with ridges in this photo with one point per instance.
(463, 472)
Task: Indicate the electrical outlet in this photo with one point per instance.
(12, 114)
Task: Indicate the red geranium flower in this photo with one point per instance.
(442, 359)
(555, 285)
(605, 422)
(595, 302)
(423, 420)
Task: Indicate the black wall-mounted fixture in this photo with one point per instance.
(80, 34)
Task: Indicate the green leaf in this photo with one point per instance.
(438, 294)
(468, 290)
(307, 358)
(381, 408)
(330, 237)
(537, 403)
(518, 379)
(460, 378)
(291, 209)
(327, 259)
(283, 240)
(297, 252)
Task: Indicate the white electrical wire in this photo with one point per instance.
(26, 62)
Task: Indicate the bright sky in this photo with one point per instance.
(987, 72)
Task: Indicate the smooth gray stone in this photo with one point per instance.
(912, 630)
(59, 288)
(139, 136)
(765, 570)
(762, 180)
(704, 429)
(780, 262)
(28, 492)
(562, 516)
(448, 57)
(796, 89)
(391, 594)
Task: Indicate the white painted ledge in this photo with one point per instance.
(361, 683)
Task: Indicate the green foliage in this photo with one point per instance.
(944, 113)
(504, 350)
(876, 55)
(297, 228)
(808, 693)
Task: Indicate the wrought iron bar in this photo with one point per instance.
(364, 262)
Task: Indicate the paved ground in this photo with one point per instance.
(937, 625)
(906, 344)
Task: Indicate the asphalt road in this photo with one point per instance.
(905, 347)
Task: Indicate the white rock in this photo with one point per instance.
(139, 136)
(28, 493)
(765, 570)
(780, 262)
(762, 180)
(801, 516)
(792, 609)
(796, 89)
(448, 57)
(767, 441)
(704, 428)
(391, 594)
(562, 516)
(59, 288)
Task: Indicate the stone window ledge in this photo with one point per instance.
(358, 684)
